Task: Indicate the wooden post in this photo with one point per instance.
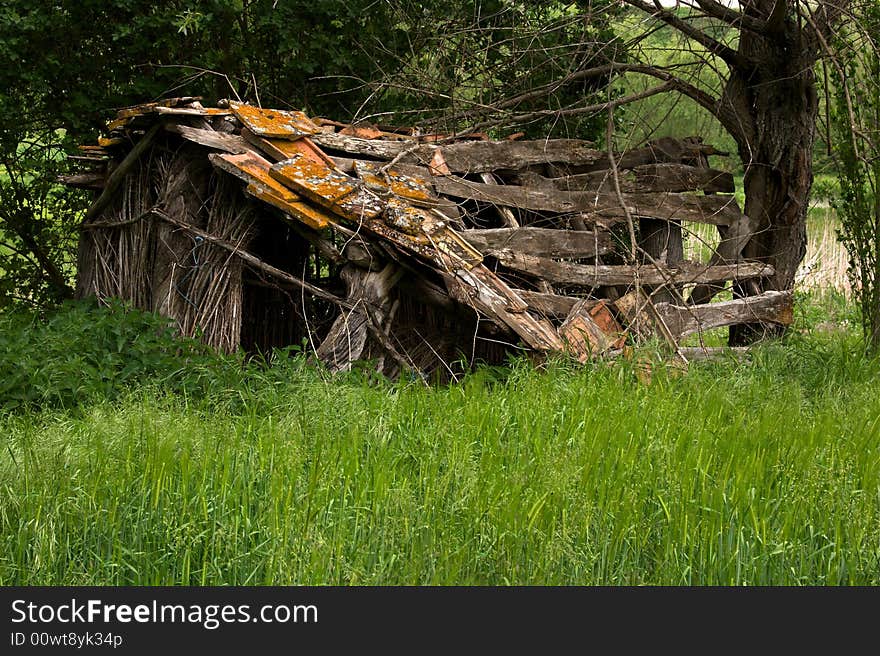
(660, 241)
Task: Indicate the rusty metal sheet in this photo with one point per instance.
(274, 123)
(411, 186)
(333, 189)
(255, 171)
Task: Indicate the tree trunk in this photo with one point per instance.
(775, 102)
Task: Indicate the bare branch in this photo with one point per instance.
(587, 109)
(730, 56)
(732, 17)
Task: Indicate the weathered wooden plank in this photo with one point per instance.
(254, 170)
(482, 290)
(590, 275)
(660, 242)
(273, 123)
(189, 111)
(332, 189)
(635, 309)
(416, 229)
(733, 240)
(419, 222)
(590, 330)
(409, 181)
(769, 307)
(409, 184)
(376, 148)
(545, 242)
(89, 180)
(485, 156)
(644, 179)
(229, 143)
(167, 102)
(469, 156)
(117, 124)
(369, 294)
(715, 210)
(554, 306)
(110, 142)
(508, 218)
(91, 159)
(281, 149)
(666, 150)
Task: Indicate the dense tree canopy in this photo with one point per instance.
(71, 62)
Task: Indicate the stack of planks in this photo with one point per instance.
(553, 245)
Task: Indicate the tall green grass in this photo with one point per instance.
(762, 472)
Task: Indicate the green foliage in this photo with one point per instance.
(466, 64)
(856, 121)
(72, 62)
(84, 352)
(756, 472)
(762, 472)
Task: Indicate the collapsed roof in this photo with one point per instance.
(544, 246)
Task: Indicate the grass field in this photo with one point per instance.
(758, 472)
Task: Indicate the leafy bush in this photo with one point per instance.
(856, 122)
(84, 351)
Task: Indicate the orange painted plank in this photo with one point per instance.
(254, 170)
(333, 189)
(409, 186)
(285, 149)
(291, 204)
(274, 123)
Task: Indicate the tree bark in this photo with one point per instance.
(776, 103)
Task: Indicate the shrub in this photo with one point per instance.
(84, 351)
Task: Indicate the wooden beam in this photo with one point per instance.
(666, 150)
(229, 143)
(590, 330)
(733, 240)
(485, 156)
(769, 307)
(715, 210)
(468, 156)
(647, 178)
(482, 290)
(598, 275)
(554, 306)
(545, 242)
(375, 148)
(88, 180)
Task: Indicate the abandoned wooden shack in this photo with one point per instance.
(261, 228)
